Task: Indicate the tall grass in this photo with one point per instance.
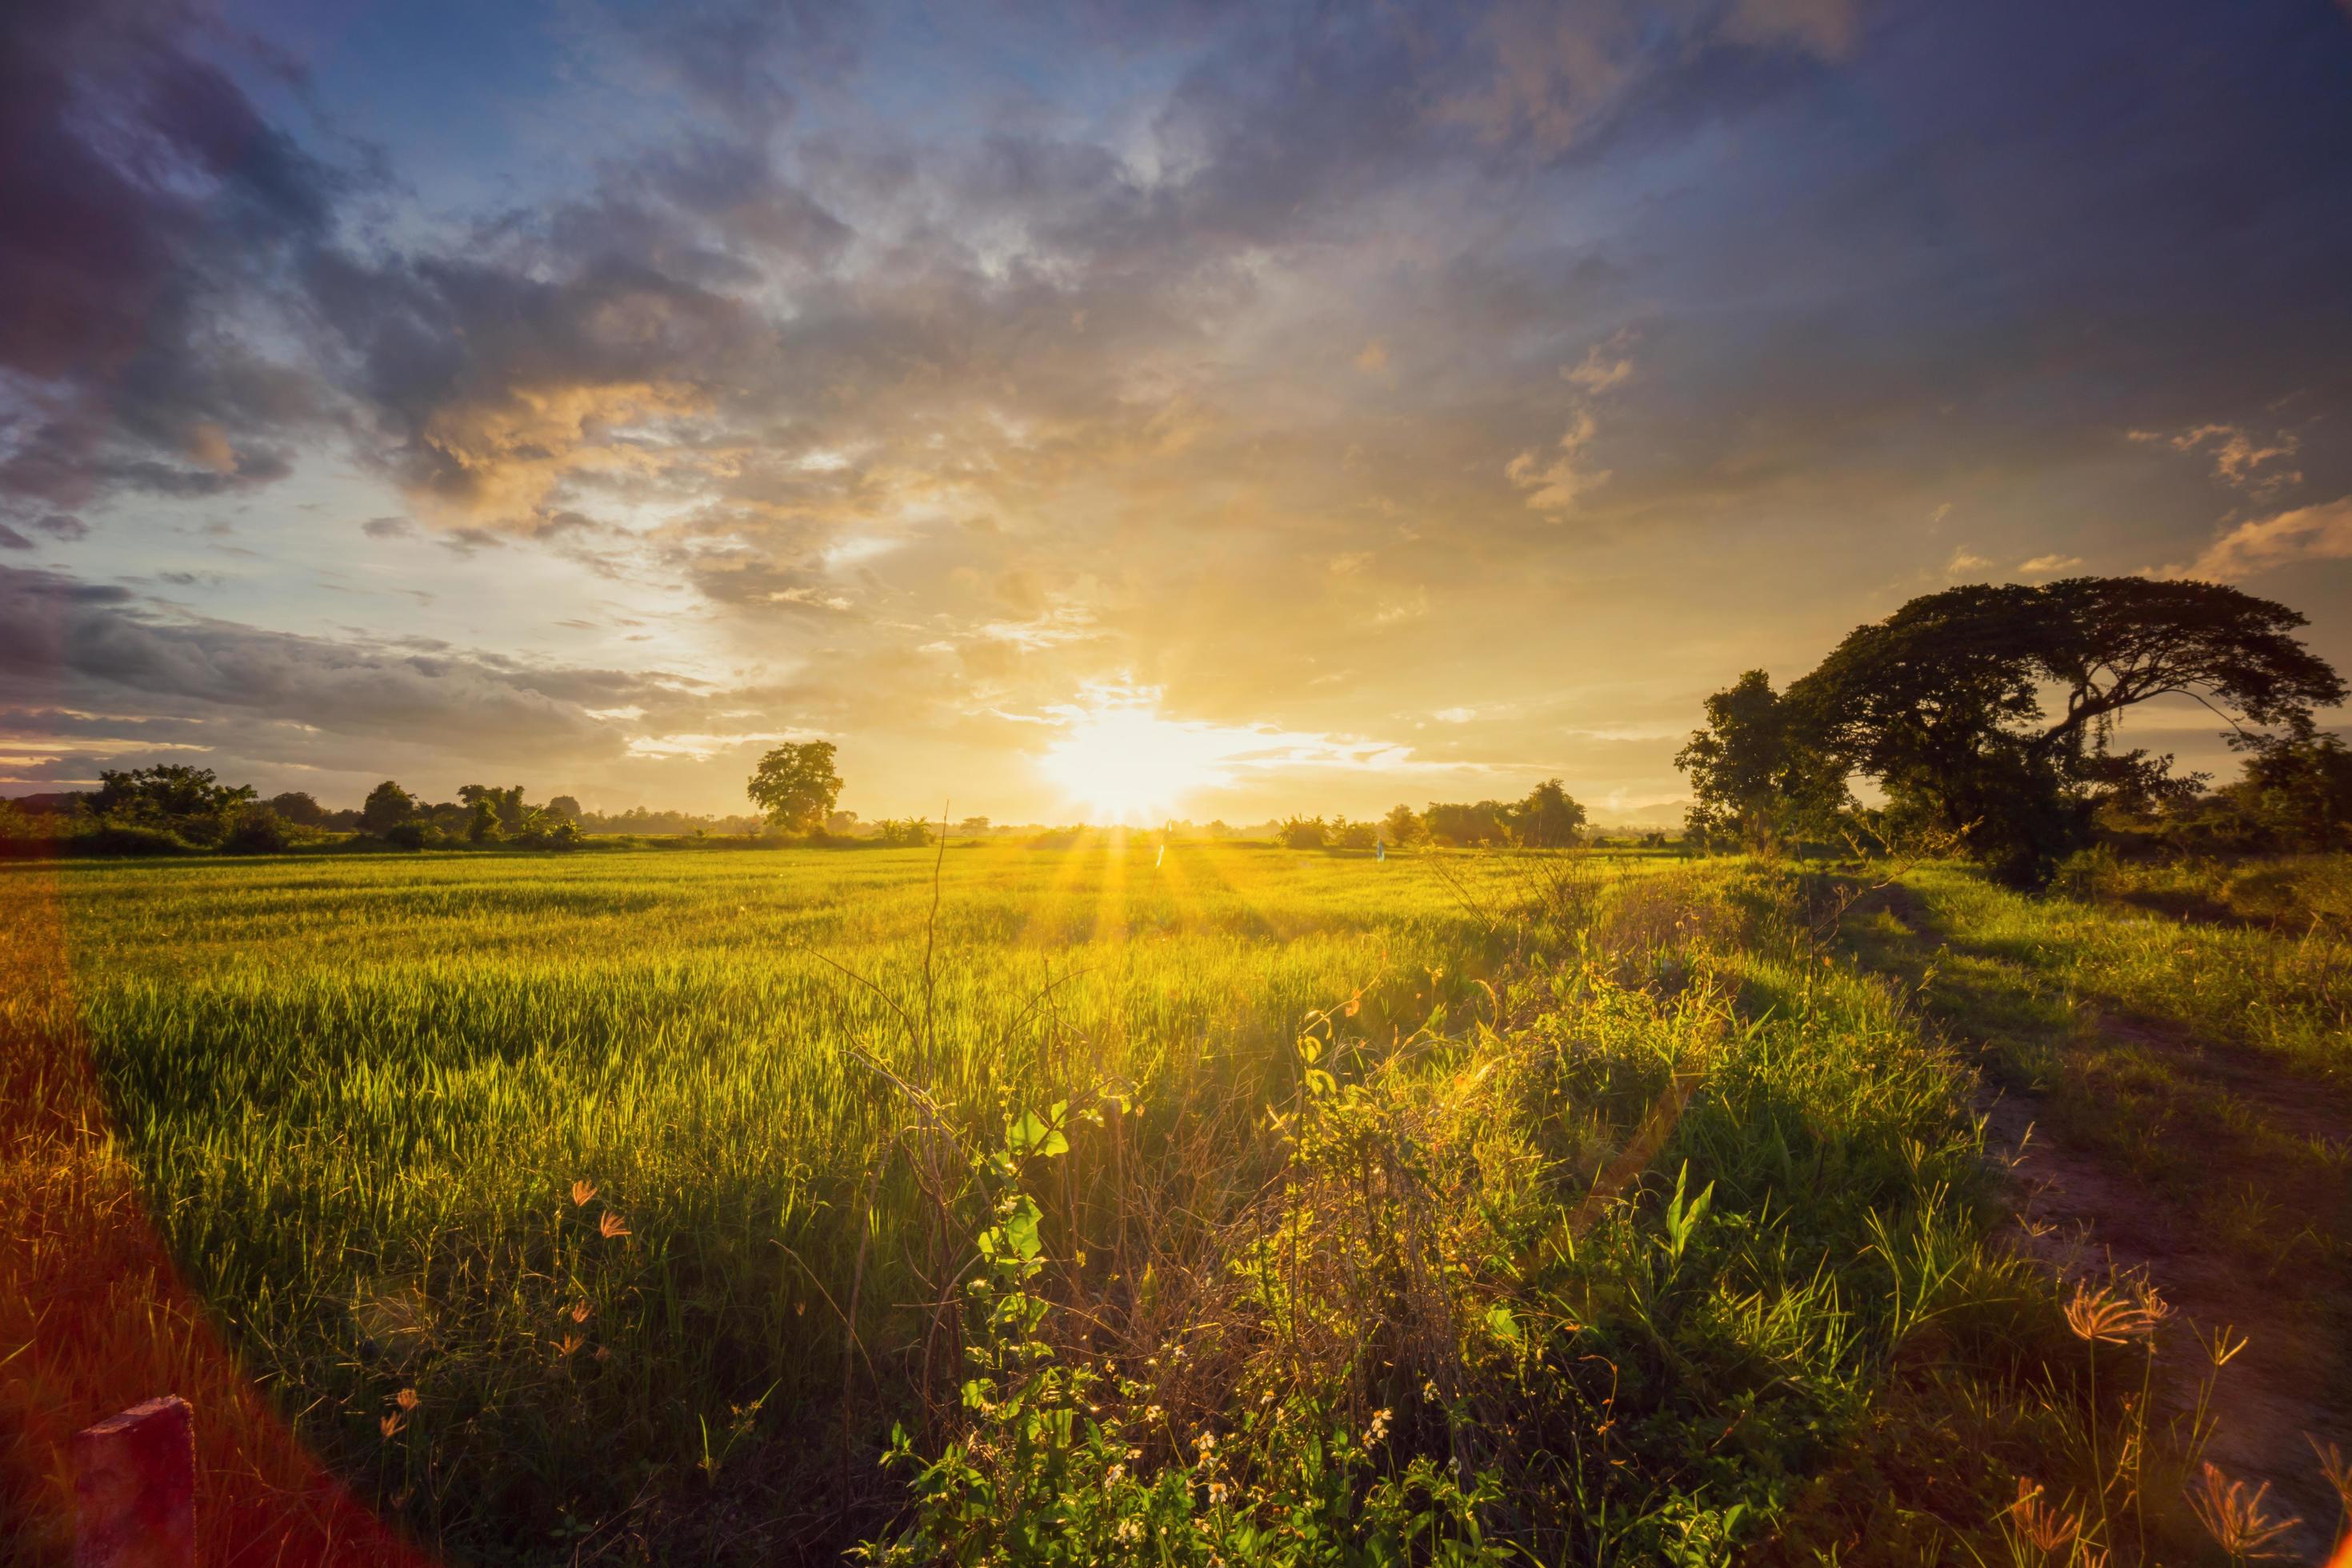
(2280, 986)
(617, 1208)
(362, 1094)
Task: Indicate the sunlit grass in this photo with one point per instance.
(560, 1199)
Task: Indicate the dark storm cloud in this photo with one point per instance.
(146, 199)
(65, 644)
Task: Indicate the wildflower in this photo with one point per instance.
(1217, 1494)
(2100, 1316)
(1380, 1428)
(1129, 1531)
(2336, 1467)
(389, 1424)
(567, 1344)
(1113, 1475)
(612, 1224)
(1206, 1443)
(581, 1192)
(1428, 1391)
(1152, 1412)
(2041, 1524)
(579, 1311)
(405, 1399)
(2233, 1517)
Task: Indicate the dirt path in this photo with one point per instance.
(2085, 1216)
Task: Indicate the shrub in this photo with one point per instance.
(125, 838)
(903, 833)
(405, 834)
(257, 831)
(1303, 833)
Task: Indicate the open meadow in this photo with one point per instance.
(1224, 1203)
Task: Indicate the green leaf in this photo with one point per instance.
(1502, 1324)
(1032, 1136)
(1021, 1228)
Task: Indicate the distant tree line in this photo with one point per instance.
(1548, 819)
(1985, 717)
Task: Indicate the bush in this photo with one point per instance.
(906, 833)
(405, 834)
(1303, 833)
(257, 831)
(125, 838)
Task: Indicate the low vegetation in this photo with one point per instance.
(1092, 1206)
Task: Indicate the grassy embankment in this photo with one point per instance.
(618, 1207)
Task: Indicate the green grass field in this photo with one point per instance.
(617, 1206)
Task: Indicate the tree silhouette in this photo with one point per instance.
(795, 785)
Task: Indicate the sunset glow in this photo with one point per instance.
(1124, 763)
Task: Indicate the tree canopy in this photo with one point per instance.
(795, 785)
(1990, 712)
(167, 792)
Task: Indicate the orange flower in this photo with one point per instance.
(2235, 1517)
(405, 1399)
(2039, 1522)
(2100, 1316)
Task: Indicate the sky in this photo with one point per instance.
(1326, 406)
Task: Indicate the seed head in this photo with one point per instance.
(2235, 1518)
(2100, 1316)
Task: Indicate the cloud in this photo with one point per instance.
(1554, 487)
(1963, 562)
(2046, 565)
(106, 651)
(2238, 456)
(1373, 359)
(1824, 27)
(148, 200)
(1599, 370)
(2322, 533)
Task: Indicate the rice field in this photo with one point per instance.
(364, 1092)
(619, 1208)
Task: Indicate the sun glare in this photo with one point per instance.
(1125, 764)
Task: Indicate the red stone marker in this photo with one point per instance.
(135, 1488)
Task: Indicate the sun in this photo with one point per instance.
(1125, 764)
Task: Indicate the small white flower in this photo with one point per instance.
(1129, 1531)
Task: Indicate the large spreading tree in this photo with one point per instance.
(795, 785)
(1991, 711)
